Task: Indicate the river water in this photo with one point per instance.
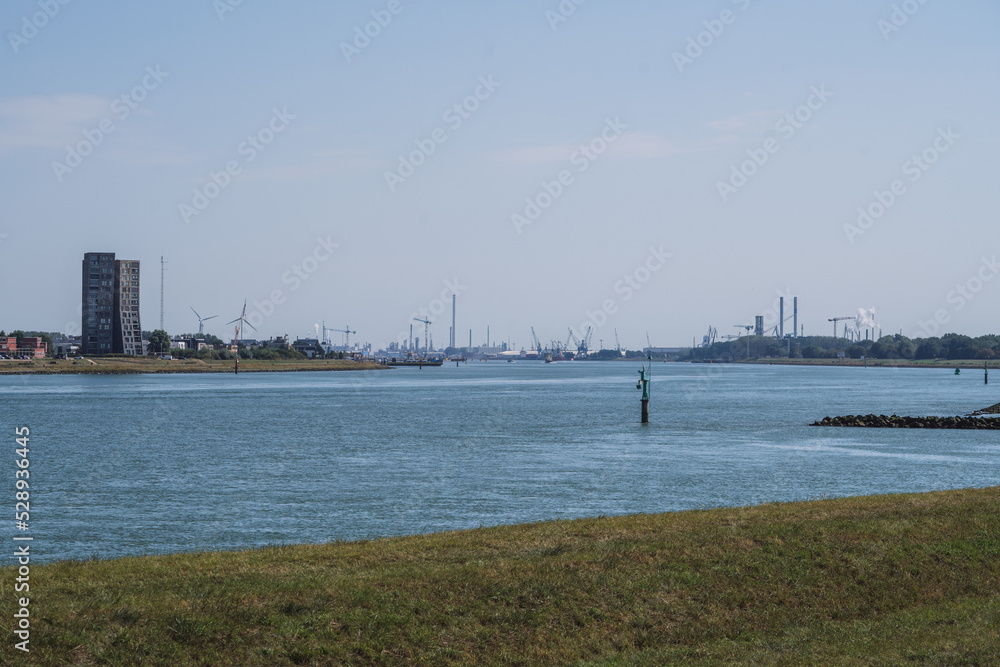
(139, 464)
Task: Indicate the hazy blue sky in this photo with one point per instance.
(114, 117)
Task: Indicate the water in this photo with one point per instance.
(129, 465)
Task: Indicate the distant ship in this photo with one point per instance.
(411, 360)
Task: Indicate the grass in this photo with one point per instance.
(124, 365)
(901, 579)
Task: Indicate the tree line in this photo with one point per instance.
(950, 346)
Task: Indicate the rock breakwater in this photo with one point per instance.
(895, 421)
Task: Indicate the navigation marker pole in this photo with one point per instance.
(645, 377)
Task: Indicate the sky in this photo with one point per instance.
(650, 168)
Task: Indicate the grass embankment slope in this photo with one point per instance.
(125, 365)
(908, 579)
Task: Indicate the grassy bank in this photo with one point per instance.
(879, 580)
(122, 365)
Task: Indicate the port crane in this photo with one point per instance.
(538, 344)
(838, 319)
(709, 339)
(427, 329)
(582, 346)
(347, 334)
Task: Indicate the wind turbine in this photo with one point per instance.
(242, 319)
(201, 320)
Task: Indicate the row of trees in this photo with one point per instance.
(159, 343)
(895, 346)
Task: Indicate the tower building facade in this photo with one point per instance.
(110, 322)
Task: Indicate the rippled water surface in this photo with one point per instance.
(128, 465)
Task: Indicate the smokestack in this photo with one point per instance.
(781, 317)
(470, 340)
(453, 329)
(795, 316)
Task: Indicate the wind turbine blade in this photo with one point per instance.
(206, 319)
(249, 325)
(195, 312)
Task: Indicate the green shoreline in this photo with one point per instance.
(137, 366)
(891, 579)
(964, 364)
(125, 366)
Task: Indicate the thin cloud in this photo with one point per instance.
(322, 164)
(754, 122)
(49, 121)
(630, 145)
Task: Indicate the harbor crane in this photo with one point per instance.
(347, 334)
(427, 335)
(538, 345)
(838, 319)
(581, 345)
(709, 339)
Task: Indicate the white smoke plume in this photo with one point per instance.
(865, 319)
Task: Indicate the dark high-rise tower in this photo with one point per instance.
(110, 305)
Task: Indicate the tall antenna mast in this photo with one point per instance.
(163, 268)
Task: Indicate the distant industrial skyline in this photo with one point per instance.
(660, 168)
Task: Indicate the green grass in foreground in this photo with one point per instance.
(903, 579)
